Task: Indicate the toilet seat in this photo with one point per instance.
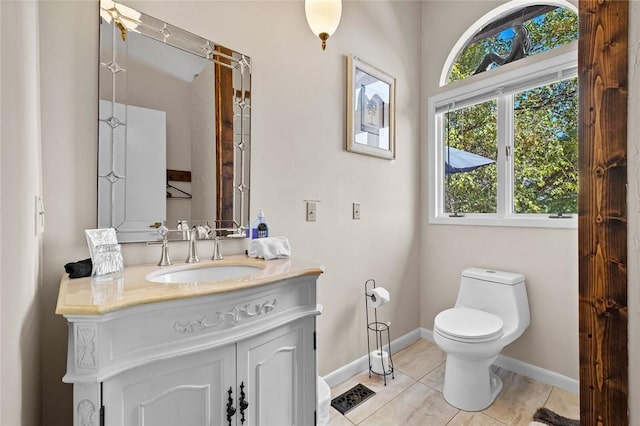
(468, 325)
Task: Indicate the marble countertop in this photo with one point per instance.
(80, 297)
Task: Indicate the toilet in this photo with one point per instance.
(491, 311)
(324, 402)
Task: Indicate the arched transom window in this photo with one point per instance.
(521, 33)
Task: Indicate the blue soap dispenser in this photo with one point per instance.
(259, 228)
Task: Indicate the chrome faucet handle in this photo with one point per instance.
(203, 231)
(183, 226)
(217, 254)
(165, 260)
(192, 257)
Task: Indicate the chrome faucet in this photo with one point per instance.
(193, 248)
(217, 254)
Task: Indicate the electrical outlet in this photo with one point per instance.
(311, 211)
(356, 211)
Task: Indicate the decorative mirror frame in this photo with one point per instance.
(379, 125)
(232, 124)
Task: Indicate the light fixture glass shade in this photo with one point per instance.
(323, 17)
(128, 17)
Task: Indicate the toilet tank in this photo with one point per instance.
(498, 292)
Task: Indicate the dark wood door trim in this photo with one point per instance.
(602, 228)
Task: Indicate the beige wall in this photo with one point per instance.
(298, 96)
(20, 182)
(69, 42)
(547, 257)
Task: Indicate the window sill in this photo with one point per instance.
(520, 221)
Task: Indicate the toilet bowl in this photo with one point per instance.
(491, 311)
(324, 401)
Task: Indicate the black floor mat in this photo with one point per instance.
(351, 398)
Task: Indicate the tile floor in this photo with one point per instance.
(414, 397)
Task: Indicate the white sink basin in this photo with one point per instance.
(203, 274)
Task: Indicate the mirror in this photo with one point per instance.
(173, 128)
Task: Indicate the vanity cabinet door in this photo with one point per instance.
(278, 372)
(187, 390)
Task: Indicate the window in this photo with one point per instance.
(503, 145)
(547, 27)
(545, 149)
(470, 137)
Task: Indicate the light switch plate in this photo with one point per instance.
(356, 211)
(39, 210)
(311, 211)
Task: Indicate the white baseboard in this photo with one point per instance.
(361, 364)
(425, 333)
(525, 369)
(540, 374)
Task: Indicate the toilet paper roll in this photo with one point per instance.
(380, 362)
(377, 297)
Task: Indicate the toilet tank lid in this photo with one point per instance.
(491, 275)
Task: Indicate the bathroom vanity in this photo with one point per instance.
(195, 346)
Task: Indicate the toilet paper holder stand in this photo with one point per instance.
(380, 333)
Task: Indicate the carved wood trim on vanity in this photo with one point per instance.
(86, 346)
(86, 413)
(233, 317)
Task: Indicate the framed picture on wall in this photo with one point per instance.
(371, 104)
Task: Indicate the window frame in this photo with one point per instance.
(501, 83)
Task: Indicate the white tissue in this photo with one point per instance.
(269, 248)
(377, 297)
(380, 362)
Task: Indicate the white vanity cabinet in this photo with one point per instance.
(277, 367)
(187, 390)
(266, 375)
(244, 357)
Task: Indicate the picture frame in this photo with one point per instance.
(371, 105)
